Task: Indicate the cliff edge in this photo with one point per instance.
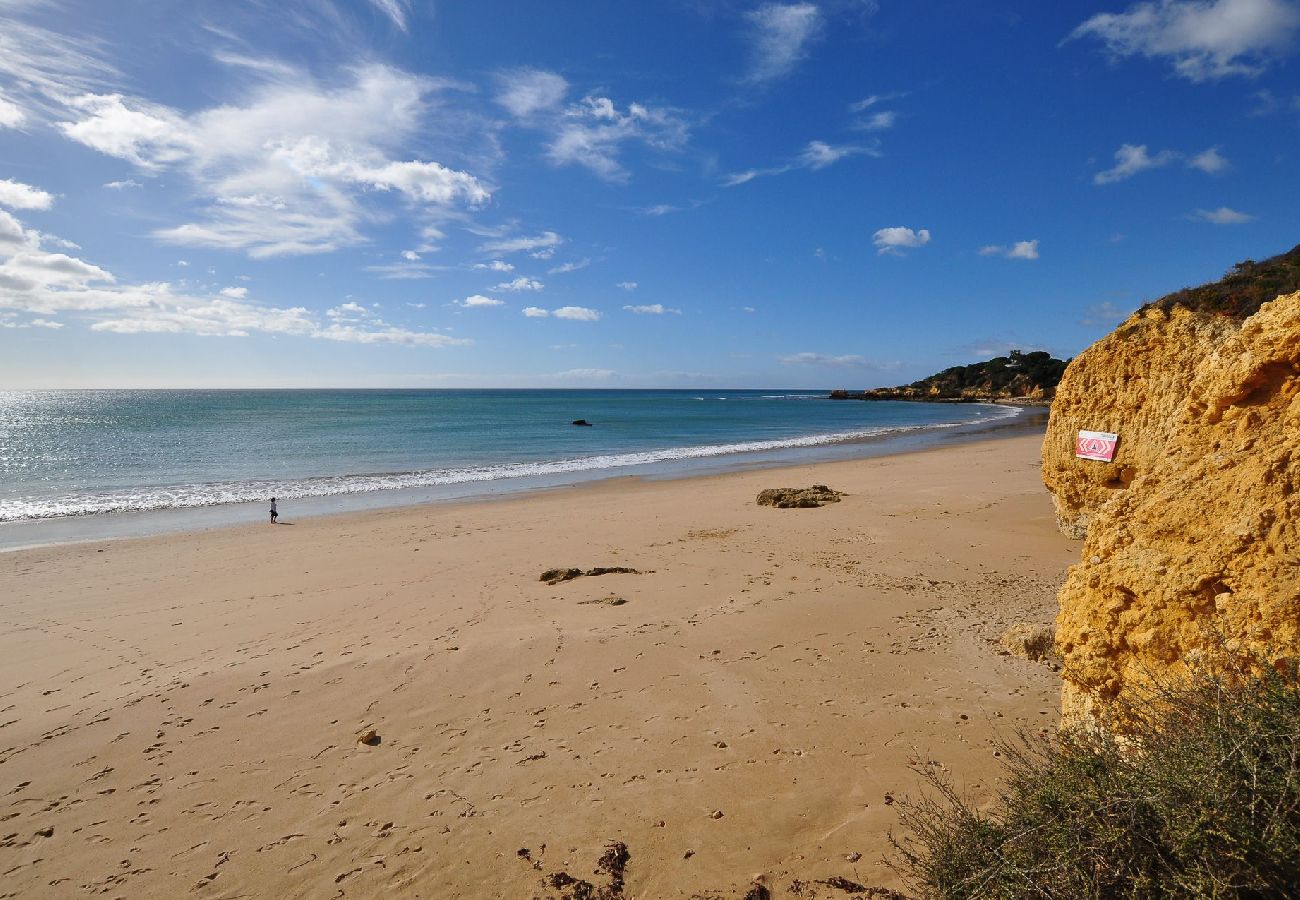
(1193, 532)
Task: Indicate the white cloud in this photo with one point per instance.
(1131, 159)
(653, 309)
(748, 309)
(38, 282)
(11, 114)
(478, 301)
(410, 256)
(1202, 39)
(576, 313)
(495, 266)
(123, 185)
(395, 10)
(1018, 250)
(16, 195)
(536, 312)
(591, 134)
(545, 240)
(526, 92)
(520, 284)
(780, 35)
(295, 170)
(828, 361)
(1210, 161)
(1221, 216)
(627, 285)
(895, 240)
(45, 323)
(569, 267)
(235, 293)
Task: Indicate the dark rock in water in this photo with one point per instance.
(581, 422)
(798, 498)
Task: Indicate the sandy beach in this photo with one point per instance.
(179, 715)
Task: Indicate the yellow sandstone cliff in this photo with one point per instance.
(1193, 532)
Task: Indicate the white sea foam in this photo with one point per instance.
(196, 495)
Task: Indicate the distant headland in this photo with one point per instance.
(1021, 378)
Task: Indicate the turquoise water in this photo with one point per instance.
(103, 453)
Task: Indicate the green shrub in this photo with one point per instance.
(1200, 798)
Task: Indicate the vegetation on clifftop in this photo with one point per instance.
(1240, 293)
(1032, 375)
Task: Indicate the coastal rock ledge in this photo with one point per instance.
(1192, 534)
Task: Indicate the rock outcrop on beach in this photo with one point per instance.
(1019, 376)
(798, 498)
(1192, 534)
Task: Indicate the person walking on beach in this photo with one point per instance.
(274, 514)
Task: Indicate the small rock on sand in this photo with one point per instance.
(1032, 642)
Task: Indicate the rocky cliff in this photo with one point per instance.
(1193, 532)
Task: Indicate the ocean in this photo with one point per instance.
(118, 455)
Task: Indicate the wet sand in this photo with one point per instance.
(179, 715)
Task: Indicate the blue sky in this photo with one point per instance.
(809, 194)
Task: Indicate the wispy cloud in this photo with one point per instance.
(43, 283)
(1202, 39)
(544, 241)
(627, 285)
(572, 313)
(826, 360)
(1018, 250)
(495, 265)
(294, 171)
(11, 114)
(1221, 216)
(520, 284)
(525, 92)
(898, 238)
(569, 267)
(591, 133)
(653, 309)
(1210, 161)
(780, 34)
(817, 155)
(1131, 159)
(395, 10)
(123, 185)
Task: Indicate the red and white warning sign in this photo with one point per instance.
(1098, 445)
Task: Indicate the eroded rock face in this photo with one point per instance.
(1132, 383)
(1193, 533)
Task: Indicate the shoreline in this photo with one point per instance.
(191, 702)
(55, 531)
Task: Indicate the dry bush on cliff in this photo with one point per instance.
(1201, 799)
(1243, 290)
